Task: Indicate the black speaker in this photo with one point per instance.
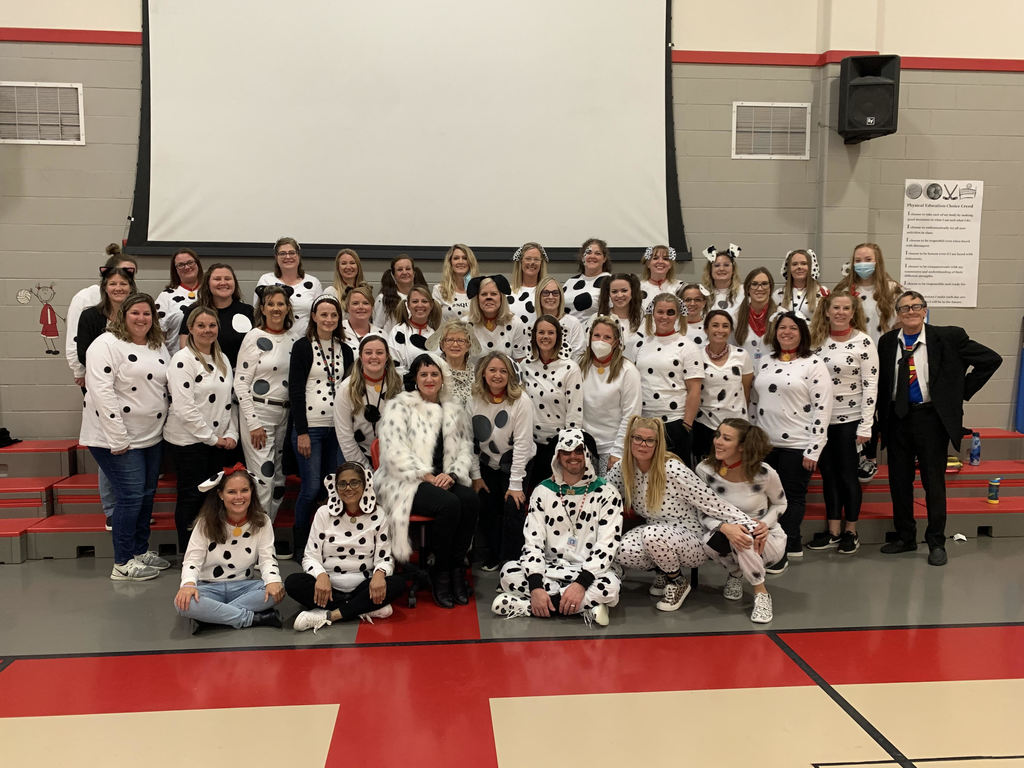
(869, 97)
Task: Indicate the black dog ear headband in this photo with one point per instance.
(711, 253)
(262, 289)
(815, 271)
(130, 269)
(671, 254)
(213, 482)
(499, 281)
(519, 251)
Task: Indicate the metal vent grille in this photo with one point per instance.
(771, 131)
(41, 113)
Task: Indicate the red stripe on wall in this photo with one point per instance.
(86, 36)
(753, 58)
(974, 65)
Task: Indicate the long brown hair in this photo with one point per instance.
(389, 286)
(205, 296)
(636, 302)
(743, 313)
(820, 324)
(298, 250)
(215, 353)
(119, 325)
(812, 291)
(754, 445)
(175, 280)
(105, 306)
(433, 319)
(357, 384)
(213, 516)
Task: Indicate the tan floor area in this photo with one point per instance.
(224, 738)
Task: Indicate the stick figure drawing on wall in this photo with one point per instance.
(47, 315)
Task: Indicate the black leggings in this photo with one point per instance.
(838, 467)
(788, 462)
(703, 442)
(500, 519)
(454, 513)
(300, 588)
(194, 464)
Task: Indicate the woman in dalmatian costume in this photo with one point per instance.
(755, 314)
(695, 298)
(800, 291)
(426, 457)
(728, 377)
(736, 473)
(395, 284)
(418, 317)
(621, 298)
(261, 387)
(721, 278)
(658, 274)
(360, 400)
(358, 306)
(839, 338)
(529, 267)
(583, 290)
(232, 537)
(572, 532)
(549, 297)
(186, 277)
(220, 291)
(671, 370)
(555, 386)
(450, 294)
(347, 569)
(670, 499)
(495, 327)
(792, 401)
(503, 440)
(288, 270)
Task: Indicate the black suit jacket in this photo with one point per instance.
(957, 368)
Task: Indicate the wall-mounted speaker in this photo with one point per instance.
(869, 97)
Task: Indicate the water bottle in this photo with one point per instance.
(993, 490)
(975, 459)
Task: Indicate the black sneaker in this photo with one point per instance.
(867, 470)
(779, 566)
(794, 548)
(823, 540)
(849, 543)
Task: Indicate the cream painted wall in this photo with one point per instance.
(116, 15)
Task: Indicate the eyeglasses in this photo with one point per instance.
(693, 301)
(910, 308)
(185, 264)
(577, 451)
(460, 342)
(646, 442)
(551, 294)
(760, 285)
(287, 253)
(349, 485)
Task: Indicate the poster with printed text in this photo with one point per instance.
(941, 235)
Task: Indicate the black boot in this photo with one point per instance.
(269, 618)
(441, 589)
(459, 589)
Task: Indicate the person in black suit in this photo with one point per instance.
(926, 373)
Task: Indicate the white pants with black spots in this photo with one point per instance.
(265, 462)
(668, 548)
(747, 562)
(605, 588)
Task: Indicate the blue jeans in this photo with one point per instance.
(229, 602)
(324, 458)
(133, 476)
(107, 496)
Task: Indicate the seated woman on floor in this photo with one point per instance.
(347, 570)
(232, 536)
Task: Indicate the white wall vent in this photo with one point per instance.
(771, 130)
(41, 113)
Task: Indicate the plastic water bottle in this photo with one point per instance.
(993, 490)
(975, 459)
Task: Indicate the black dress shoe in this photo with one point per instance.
(897, 546)
(269, 618)
(441, 589)
(937, 556)
(460, 592)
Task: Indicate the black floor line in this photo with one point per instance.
(919, 760)
(897, 757)
(5, 663)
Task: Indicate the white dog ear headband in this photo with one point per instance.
(650, 252)
(527, 247)
(213, 482)
(711, 253)
(815, 271)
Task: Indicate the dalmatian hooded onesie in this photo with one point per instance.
(572, 534)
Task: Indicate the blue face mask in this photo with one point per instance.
(864, 268)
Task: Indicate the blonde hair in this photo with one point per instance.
(645, 273)
(448, 287)
(561, 297)
(517, 266)
(215, 353)
(708, 281)
(820, 324)
(339, 286)
(671, 298)
(886, 290)
(119, 324)
(504, 315)
(656, 475)
(587, 358)
(513, 389)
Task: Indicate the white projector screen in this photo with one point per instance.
(405, 123)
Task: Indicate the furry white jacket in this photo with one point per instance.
(408, 433)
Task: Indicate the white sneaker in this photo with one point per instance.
(511, 605)
(762, 612)
(312, 620)
(658, 586)
(733, 588)
(380, 613)
(597, 615)
(133, 570)
(153, 560)
(675, 593)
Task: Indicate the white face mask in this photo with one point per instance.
(601, 349)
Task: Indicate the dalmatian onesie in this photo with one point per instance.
(407, 342)
(169, 305)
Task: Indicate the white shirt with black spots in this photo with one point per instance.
(125, 394)
(169, 303)
(503, 437)
(792, 402)
(521, 304)
(352, 339)
(871, 315)
(649, 290)
(695, 333)
(304, 293)
(513, 339)
(456, 309)
(348, 548)
(201, 409)
(581, 295)
(87, 297)
(685, 500)
(556, 391)
(631, 340)
(720, 300)
(319, 396)
(799, 303)
(235, 559)
(756, 346)
(853, 364)
(380, 317)
(407, 343)
(263, 362)
(574, 336)
(356, 434)
(760, 499)
(666, 363)
(721, 393)
(608, 406)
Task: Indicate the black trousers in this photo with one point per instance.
(194, 463)
(703, 442)
(921, 436)
(300, 587)
(788, 462)
(454, 513)
(540, 466)
(500, 519)
(679, 440)
(838, 466)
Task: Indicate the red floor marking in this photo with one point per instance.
(423, 623)
(912, 655)
(434, 699)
